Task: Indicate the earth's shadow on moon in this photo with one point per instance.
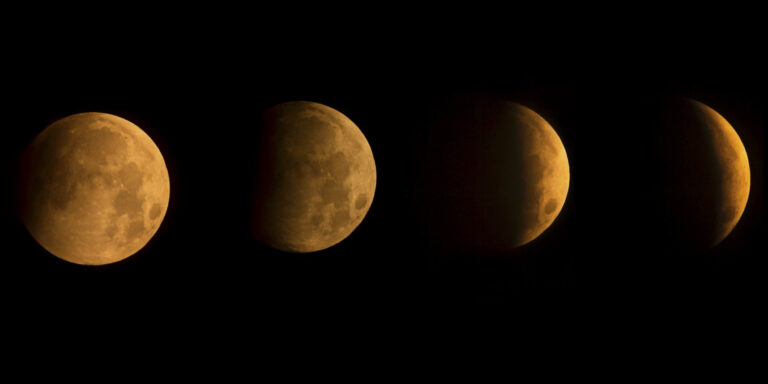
(479, 183)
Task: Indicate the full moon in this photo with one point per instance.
(94, 188)
(315, 177)
(497, 175)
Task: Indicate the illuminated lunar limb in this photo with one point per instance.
(315, 177)
(94, 188)
(707, 175)
(546, 169)
(498, 176)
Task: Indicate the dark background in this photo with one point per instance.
(196, 87)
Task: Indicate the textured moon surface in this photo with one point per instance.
(315, 177)
(497, 175)
(94, 188)
(547, 172)
(709, 175)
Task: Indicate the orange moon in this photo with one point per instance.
(708, 177)
(315, 177)
(94, 188)
(497, 175)
(548, 171)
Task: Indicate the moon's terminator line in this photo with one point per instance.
(315, 177)
(496, 175)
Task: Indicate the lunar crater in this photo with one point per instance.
(89, 188)
(309, 208)
(501, 175)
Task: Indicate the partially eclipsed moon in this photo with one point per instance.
(546, 171)
(315, 177)
(497, 176)
(734, 168)
(708, 175)
(94, 188)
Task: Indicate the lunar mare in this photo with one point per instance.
(547, 171)
(94, 188)
(497, 176)
(315, 177)
(734, 165)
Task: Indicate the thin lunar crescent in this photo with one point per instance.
(94, 188)
(734, 168)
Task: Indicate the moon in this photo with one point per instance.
(546, 171)
(94, 188)
(315, 177)
(707, 175)
(498, 175)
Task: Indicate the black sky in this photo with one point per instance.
(198, 91)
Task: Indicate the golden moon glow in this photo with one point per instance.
(496, 176)
(315, 177)
(733, 164)
(547, 172)
(94, 188)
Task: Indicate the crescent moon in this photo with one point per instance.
(547, 172)
(733, 178)
(497, 176)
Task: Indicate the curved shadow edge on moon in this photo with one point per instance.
(496, 176)
(547, 172)
(733, 166)
(315, 177)
(94, 188)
